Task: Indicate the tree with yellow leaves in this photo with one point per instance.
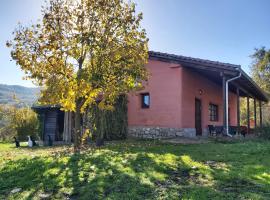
(82, 53)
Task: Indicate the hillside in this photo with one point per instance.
(24, 95)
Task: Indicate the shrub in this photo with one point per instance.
(263, 132)
(26, 123)
(19, 122)
(109, 124)
(6, 133)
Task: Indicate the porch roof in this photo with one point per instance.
(213, 70)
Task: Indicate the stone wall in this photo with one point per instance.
(205, 132)
(160, 132)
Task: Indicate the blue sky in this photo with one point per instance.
(224, 30)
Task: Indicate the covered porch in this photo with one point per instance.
(233, 79)
(247, 90)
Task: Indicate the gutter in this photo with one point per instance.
(227, 100)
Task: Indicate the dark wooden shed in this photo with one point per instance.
(53, 125)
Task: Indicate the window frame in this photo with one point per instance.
(143, 104)
(213, 112)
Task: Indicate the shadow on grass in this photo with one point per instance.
(233, 175)
(80, 176)
(145, 170)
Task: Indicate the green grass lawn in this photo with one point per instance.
(138, 170)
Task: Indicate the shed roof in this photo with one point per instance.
(212, 70)
(42, 108)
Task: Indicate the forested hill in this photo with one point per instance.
(19, 95)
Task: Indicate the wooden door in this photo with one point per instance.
(50, 125)
(198, 116)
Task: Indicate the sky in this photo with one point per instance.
(224, 30)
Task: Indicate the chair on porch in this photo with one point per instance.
(219, 130)
(243, 130)
(215, 130)
(233, 130)
(211, 129)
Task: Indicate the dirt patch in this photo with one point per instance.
(185, 140)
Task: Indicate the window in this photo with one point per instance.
(213, 112)
(145, 100)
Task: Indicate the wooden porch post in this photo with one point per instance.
(255, 113)
(260, 110)
(238, 110)
(248, 119)
(43, 126)
(224, 101)
(67, 127)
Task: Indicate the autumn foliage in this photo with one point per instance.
(83, 51)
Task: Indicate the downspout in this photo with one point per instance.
(227, 100)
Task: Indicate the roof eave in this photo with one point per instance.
(219, 66)
(263, 94)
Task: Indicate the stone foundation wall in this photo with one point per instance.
(205, 132)
(160, 132)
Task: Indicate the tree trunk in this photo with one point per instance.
(77, 132)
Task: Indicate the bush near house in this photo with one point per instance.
(109, 124)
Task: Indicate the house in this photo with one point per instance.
(184, 95)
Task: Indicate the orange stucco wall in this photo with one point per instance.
(173, 90)
(164, 86)
(192, 84)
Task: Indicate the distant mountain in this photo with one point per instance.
(18, 95)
